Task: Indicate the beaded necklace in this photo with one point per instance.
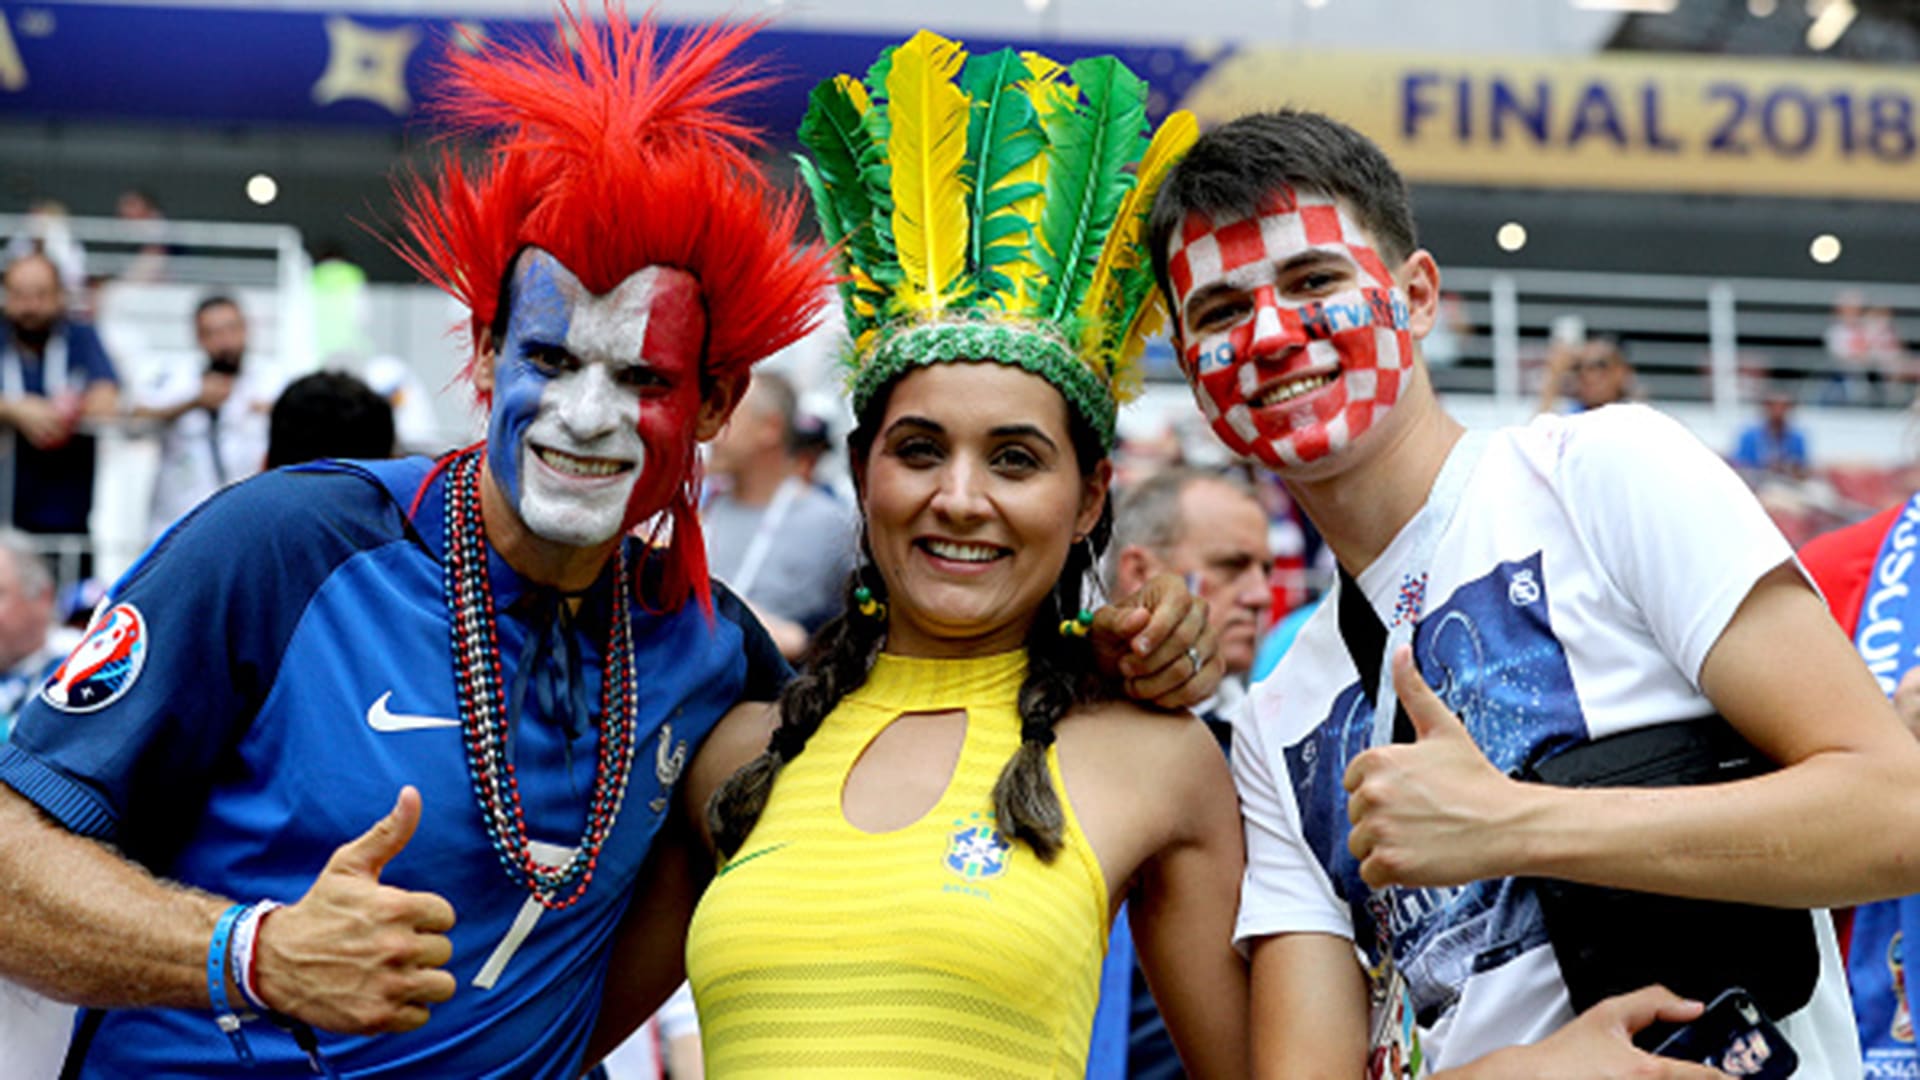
(477, 676)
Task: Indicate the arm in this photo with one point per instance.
(101, 400)
(1309, 1008)
(84, 925)
(649, 950)
(36, 419)
(1182, 909)
(1560, 357)
(1827, 829)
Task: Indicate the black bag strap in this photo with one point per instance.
(1365, 638)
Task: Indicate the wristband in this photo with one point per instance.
(245, 940)
(223, 1014)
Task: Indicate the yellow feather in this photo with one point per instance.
(1175, 137)
(928, 115)
(1128, 379)
(856, 92)
(1049, 92)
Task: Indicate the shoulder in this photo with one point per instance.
(741, 736)
(85, 347)
(1140, 749)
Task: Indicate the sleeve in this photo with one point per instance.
(767, 670)
(124, 740)
(85, 351)
(1672, 526)
(1283, 890)
(169, 386)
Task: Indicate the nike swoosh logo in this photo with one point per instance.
(379, 719)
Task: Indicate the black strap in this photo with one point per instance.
(1366, 639)
(83, 1033)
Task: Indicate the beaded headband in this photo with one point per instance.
(1001, 218)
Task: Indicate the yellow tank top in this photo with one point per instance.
(933, 950)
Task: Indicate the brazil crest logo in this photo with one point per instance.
(103, 666)
(976, 849)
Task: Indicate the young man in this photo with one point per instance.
(482, 645)
(1578, 578)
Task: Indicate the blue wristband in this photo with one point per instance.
(223, 1013)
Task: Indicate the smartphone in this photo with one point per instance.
(1736, 1037)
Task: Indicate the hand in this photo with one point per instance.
(1598, 1045)
(1145, 639)
(356, 956)
(40, 421)
(1906, 700)
(1424, 813)
(215, 389)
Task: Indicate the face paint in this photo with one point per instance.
(1299, 341)
(594, 398)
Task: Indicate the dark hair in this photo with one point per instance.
(329, 414)
(1060, 675)
(213, 300)
(1231, 168)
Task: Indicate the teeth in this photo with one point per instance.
(578, 466)
(963, 552)
(1290, 390)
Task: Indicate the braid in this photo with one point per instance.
(842, 656)
(1060, 675)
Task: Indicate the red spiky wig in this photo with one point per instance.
(616, 156)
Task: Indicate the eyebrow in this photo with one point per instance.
(1003, 431)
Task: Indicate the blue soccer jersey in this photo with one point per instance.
(257, 689)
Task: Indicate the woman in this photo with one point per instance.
(925, 843)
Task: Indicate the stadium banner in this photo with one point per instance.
(1621, 121)
(1617, 121)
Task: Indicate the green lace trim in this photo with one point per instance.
(1040, 353)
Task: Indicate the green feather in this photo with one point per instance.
(847, 161)
(1093, 145)
(1003, 134)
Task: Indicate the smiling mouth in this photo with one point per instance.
(1292, 387)
(575, 465)
(954, 551)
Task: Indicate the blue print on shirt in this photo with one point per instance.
(1490, 653)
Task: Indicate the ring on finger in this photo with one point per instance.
(1193, 657)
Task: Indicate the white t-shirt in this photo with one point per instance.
(1591, 564)
(189, 468)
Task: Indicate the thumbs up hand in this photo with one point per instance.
(1434, 811)
(356, 956)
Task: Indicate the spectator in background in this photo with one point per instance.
(29, 648)
(328, 414)
(148, 225)
(54, 373)
(810, 442)
(779, 542)
(1590, 374)
(415, 429)
(212, 416)
(1865, 351)
(1212, 531)
(1773, 444)
(45, 231)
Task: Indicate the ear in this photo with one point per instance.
(1136, 564)
(717, 402)
(1419, 276)
(1093, 497)
(483, 358)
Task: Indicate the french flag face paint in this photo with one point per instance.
(594, 398)
(1294, 337)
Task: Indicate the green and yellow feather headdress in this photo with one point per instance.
(999, 218)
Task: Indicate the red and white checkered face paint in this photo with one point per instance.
(1288, 381)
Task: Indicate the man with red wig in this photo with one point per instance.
(525, 629)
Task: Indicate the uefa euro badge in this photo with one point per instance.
(103, 667)
(669, 759)
(976, 850)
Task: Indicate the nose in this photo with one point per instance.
(588, 405)
(961, 496)
(1271, 334)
